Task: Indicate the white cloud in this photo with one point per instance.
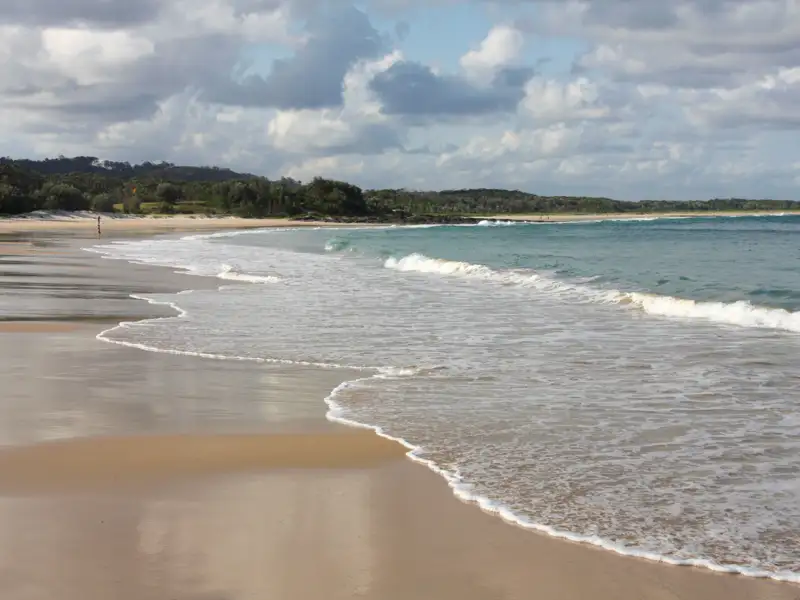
(300, 131)
(773, 100)
(549, 101)
(692, 98)
(500, 48)
(90, 57)
(358, 97)
(308, 130)
(187, 18)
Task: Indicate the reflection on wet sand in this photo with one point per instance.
(66, 384)
(64, 281)
(271, 535)
(95, 463)
(241, 531)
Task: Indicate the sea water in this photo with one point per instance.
(631, 384)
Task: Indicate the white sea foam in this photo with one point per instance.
(743, 314)
(464, 491)
(231, 274)
(497, 223)
(161, 252)
(740, 313)
(106, 337)
(389, 376)
(422, 264)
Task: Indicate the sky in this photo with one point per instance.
(632, 99)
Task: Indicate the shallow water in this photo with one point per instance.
(631, 384)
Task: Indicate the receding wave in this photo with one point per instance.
(740, 313)
(465, 491)
(231, 274)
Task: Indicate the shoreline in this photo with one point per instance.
(154, 225)
(656, 582)
(460, 490)
(119, 224)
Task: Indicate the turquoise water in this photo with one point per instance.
(632, 385)
(753, 259)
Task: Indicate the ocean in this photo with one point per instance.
(630, 384)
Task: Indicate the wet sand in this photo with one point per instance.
(36, 327)
(142, 476)
(81, 464)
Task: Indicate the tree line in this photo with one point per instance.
(86, 183)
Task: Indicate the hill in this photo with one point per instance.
(87, 183)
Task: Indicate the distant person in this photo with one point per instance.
(98, 225)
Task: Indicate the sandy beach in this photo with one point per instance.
(138, 226)
(127, 225)
(144, 476)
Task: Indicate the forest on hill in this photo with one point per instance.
(87, 183)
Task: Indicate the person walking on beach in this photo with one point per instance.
(98, 225)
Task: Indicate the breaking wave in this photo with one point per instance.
(740, 313)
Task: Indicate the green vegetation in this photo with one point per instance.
(84, 183)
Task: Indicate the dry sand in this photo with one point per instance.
(141, 476)
(147, 225)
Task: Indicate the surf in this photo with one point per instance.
(741, 313)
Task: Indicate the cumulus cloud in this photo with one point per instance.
(490, 82)
(499, 49)
(358, 126)
(313, 77)
(773, 101)
(549, 100)
(690, 98)
(411, 88)
(687, 43)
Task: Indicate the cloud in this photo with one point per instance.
(357, 127)
(687, 43)
(770, 102)
(490, 83)
(499, 49)
(413, 89)
(692, 98)
(76, 75)
(313, 77)
(88, 76)
(103, 13)
(550, 101)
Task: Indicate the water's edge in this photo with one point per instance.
(460, 488)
